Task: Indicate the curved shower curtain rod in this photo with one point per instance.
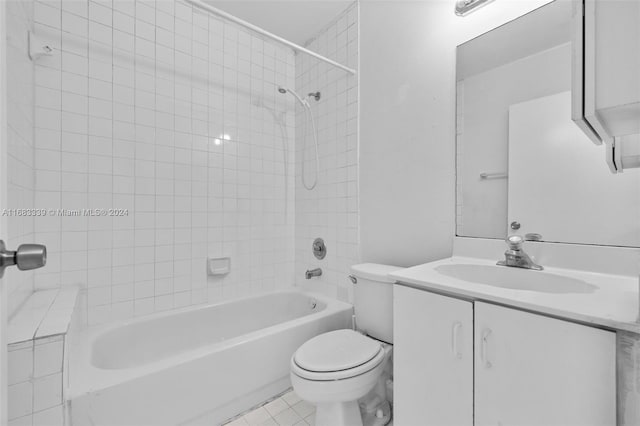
(201, 5)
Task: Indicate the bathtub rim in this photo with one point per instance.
(84, 377)
(99, 331)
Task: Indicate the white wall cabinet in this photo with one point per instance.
(433, 359)
(606, 76)
(522, 369)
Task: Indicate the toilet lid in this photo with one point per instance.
(335, 351)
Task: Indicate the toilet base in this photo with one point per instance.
(338, 413)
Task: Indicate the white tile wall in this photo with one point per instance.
(36, 382)
(174, 115)
(20, 146)
(36, 361)
(329, 211)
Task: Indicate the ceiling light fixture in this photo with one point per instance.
(465, 7)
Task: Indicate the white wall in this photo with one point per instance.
(131, 112)
(330, 210)
(407, 123)
(20, 145)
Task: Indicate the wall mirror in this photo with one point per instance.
(523, 166)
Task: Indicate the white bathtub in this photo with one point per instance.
(194, 366)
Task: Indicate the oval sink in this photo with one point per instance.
(516, 278)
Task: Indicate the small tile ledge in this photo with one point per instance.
(45, 313)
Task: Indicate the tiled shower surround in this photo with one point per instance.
(330, 210)
(20, 146)
(172, 117)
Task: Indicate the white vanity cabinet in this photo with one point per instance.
(433, 359)
(535, 370)
(515, 368)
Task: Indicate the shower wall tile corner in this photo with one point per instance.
(330, 210)
(20, 144)
(171, 117)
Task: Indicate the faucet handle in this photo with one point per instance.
(514, 242)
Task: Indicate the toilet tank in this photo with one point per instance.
(373, 299)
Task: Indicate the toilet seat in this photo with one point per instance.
(337, 355)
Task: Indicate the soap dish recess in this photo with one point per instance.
(218, 265)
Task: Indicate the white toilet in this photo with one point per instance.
(335, 369)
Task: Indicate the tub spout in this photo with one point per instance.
(313, 273)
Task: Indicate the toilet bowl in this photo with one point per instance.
(335, 369)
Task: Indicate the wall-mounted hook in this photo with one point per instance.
(38, 47)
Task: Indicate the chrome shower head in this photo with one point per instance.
(284, 90)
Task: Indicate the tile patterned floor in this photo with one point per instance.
(286, 410)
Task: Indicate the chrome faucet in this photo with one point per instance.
(515, 255)
(313, 273)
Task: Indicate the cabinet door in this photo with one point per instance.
(583, 82)
(534, 370)
(433, 359)
(606, 75)
(615, 32)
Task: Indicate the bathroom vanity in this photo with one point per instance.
(481, 344)
(477, 343)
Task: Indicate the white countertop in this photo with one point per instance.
(612, 304)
